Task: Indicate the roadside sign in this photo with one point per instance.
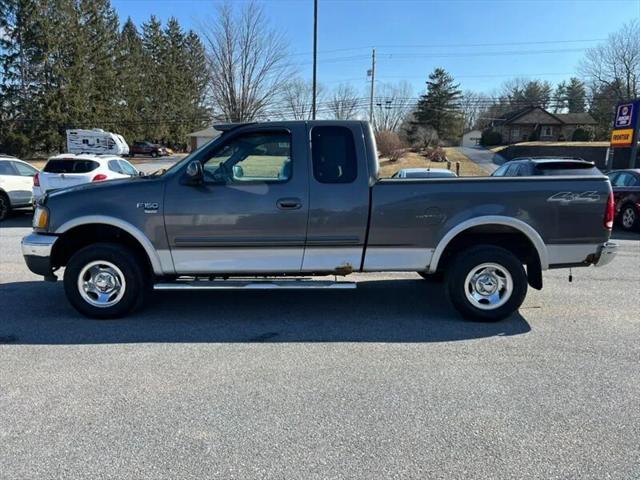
(624, 116)
(622, 138)
(625, 125)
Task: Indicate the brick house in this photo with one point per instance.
(536, 123)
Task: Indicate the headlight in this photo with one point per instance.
(40, 218)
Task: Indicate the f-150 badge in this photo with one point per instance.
(149, 207)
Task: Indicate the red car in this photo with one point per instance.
(147, 148)
(626, 191)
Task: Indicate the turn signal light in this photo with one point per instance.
(99, 178)
(41, 218)
(36, 180)
(609, 212)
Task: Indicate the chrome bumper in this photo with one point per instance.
(38, 245)
(606, 254)
(36, 249)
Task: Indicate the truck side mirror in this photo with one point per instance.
(195, 172)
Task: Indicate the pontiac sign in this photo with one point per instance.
(624, 124)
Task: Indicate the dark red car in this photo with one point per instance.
(626, 191)
(147, 148)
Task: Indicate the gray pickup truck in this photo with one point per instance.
(268, 205)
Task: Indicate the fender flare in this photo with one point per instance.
(132, 230)
(533, 236)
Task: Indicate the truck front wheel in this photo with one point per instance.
(104, 280)
(486, 283)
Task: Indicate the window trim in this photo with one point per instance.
(254, 131)
(355, 151)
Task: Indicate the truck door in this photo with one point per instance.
(250, 214)
(339, 198)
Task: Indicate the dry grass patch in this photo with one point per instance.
(415, 160)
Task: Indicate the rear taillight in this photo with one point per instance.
(609, 212)
(36, 180)
(99, 178)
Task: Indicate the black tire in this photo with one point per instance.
(432, 277)
(5, 206)
(469, 260)
(154, 154)
(137, 282)
(131, 154)
(629, 217)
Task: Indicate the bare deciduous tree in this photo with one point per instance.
(472, 104)
(344, 102)
(297, 99)
(248, 61)
(393, 104)
(615, 64)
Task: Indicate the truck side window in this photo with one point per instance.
(256, 156)
(333, 151)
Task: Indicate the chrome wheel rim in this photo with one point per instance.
(488, 286)
(101, 284)
(628, 217)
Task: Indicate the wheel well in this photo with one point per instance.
(79, 237)
(503, 236)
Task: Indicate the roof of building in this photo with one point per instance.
(566, 118)
(576, 118)
(210, 132)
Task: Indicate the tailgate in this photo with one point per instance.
(52, 181)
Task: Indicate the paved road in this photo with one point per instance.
(485, 158)
(382, 382)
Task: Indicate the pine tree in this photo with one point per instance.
(437, 109)
(576, 95)
(100, 32)
(155, 85)
(132, 68)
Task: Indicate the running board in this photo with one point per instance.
(254, 285)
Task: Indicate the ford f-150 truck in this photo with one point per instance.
(268, 205)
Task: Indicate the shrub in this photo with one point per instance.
(490, 137)
(581, 135)
(389, 145)
(436, 154)
(15, 143)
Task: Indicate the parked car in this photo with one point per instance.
(147, 148)
(423, 173)
(67, 170)
(533, 166)
(266, 204)
(16, 178)
(626, 192)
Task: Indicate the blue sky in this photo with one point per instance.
(481, 42)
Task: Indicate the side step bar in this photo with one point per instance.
(254, 285)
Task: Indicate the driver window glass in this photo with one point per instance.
(513, 170)
(258, 156)
(24, 170)
(501, 171)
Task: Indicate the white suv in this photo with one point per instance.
(16, 178)
(67, 170)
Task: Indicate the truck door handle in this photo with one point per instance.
(289, 203)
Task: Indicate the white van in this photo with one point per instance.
(96, 141)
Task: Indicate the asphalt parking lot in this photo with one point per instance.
(382, 382)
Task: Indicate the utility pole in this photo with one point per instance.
(315, 58)
(373, 80)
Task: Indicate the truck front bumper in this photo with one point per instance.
(36, 249)
(606, 254)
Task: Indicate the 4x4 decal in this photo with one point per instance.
(574, 197)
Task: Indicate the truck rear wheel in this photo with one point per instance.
(486, 283)
(104, 280)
